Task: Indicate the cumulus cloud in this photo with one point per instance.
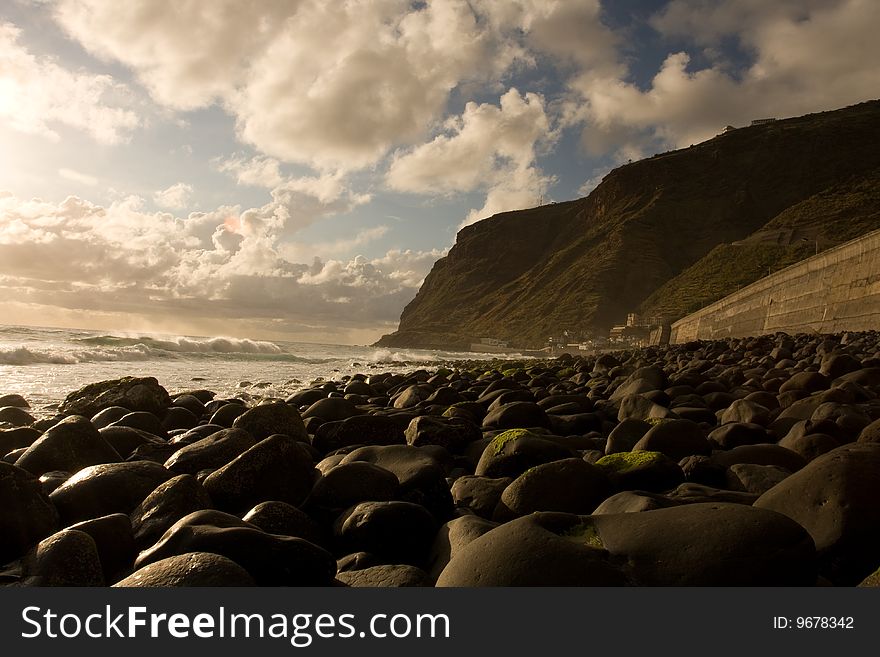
(38, 95)
(175, 197)
(486, 147)
(257, 171)
(83, 257)
(805, 57)
(331, 85)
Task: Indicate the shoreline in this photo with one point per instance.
(453, 472)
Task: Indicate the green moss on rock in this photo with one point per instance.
(499, 441)
(585, 533)
(624, 461)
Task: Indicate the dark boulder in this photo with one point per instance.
(568, 485)
(270, 559)
(201, 569)
(277, 468)
(70, 445)
(168, 503)
(358, 430)
(133, 393)
(268, 419)
(26, 514)
(399, 532)
(835, 498)
(212, 452)
(100, 490)
(66, 558)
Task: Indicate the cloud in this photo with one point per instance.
(37, 95)
(79, 257)
(78, 176)
(805, 57)
(331, 85)
(486, 147)
(257, 171)
(482, 144)
(175, 197)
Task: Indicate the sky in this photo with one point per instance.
(291, 169)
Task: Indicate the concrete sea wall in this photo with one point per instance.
(836, 290)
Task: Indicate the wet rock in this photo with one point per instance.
(422, 477)
(734, 434)
(14, 400)
(190, 569)
(15, 416)
(169, 502)
(642, 470)
(277, 468)
(514, 451)
(451, 433)
(212, 452)
(633, 501)
(541, 549)
(284, 519)
(142, 421)
(693, 493)
(11, 439)
(479, 494)
(350, 483)
(625, 435)
(835, 498)
(268, 419)
(452, 537)
(674, 438)
(70, 445)
(26, 514)
(709, 544)
(386, 576)
(270, 559)
(515, 415)
(761, 455)
(101, 490)
(746, 412)
(332, 409)
(400, 532)
(133, 393)
(358, 430)
(67, 558)
(126, 440)
(114, 542)
(227, 413)
(178, 417)
(568, 485)
(51, 480)
(756, 479)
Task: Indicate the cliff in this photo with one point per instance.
(647, 235)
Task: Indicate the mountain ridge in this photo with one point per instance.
(581, 265)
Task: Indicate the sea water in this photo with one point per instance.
(45, 364)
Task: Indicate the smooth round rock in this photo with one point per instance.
(66, 558)
(190, 569)
(71, 445)
(400, 532)
(277, 468)
(101, 490)
(26, 514)
(169, 502)
(269, 419)
(211, 452)
(835, 498)
(540, 549)
(270, 559)
(385, 576)
(568, 485)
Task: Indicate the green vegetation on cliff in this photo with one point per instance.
(663, 235)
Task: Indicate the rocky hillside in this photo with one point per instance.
(665, 234)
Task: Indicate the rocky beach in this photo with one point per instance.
(744, 462)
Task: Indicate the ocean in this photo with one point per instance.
(45, 364)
